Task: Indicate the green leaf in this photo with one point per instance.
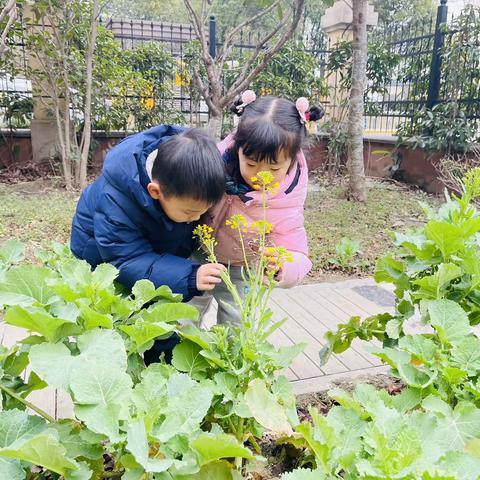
(45, 356)
(460, 465)
(11, 469)
(170, 313)
(433, 286)
(265, 408)
(449, 319)
(102, 394)
(83, 472)
(455, 429)
(43, 449)
(220, 470)
(446, 236)
(187, 358)
(319, 449)
(420, 346)
(39, 321)
(26, 285)
(12, 252)
(79, 441)
(150, 394)
(93, 319)
(212, 447)
(143, 333)
(103, 346)
(188, 403)
(104, 276)
(197, 335)
(137, 444)
(390, 270)
(466, 355)
(284, 356)
(144, 291)
(18, 425)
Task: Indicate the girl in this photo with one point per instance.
(269, 137)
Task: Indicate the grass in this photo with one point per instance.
(38, 212)
(35, 213)
(330, 216)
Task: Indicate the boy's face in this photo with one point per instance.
(249, 168)
(178, 209)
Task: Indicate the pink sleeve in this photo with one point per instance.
(293, 273)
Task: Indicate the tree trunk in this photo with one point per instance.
(355, 165)
(215, 125)
(87, 129)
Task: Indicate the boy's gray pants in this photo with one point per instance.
(227, 312)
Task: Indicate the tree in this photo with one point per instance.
(355, 165)
(156, 10)
(8, 16)
(207, 75)
(63, 52)
(395, 12)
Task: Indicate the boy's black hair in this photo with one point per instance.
(269, 125)
(190, 165)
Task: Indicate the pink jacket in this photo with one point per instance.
(285, 213)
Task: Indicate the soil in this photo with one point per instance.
(285, 458)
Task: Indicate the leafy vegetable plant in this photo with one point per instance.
(85, 336)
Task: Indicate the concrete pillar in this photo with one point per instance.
(43, 125)
(337, 23)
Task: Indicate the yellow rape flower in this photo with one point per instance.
(236, 221)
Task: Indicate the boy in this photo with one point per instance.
(139, 214)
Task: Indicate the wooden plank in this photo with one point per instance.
(332, 296)
(12, 335)
(327, 382)
(332, 304)
(361, 302)
(352, 358)
(298, 334)
(302, 366)
(45, 399)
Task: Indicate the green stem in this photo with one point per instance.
(29, 405)
(113, 474)
(255, 445)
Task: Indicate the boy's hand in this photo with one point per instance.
(208, 276)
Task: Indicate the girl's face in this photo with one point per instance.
(249, 168)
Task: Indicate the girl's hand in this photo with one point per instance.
(208, 276)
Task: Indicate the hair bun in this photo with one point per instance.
(316, 112)
(234, 107)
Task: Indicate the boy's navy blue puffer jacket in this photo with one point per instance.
(118, 222)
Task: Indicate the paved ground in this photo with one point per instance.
(311, 310)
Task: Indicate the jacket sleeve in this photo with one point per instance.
(295, 240)
(289, 232)
(121, 243)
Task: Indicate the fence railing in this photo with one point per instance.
(417, 80)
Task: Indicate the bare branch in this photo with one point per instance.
(10, 11)
(246, 76)
(226, 48)
(11, 5)
(197, 21)
(87, 129)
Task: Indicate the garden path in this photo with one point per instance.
(311, 310)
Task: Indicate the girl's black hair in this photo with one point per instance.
(269, 125)
(190, 165)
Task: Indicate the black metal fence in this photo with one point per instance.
(423, 78)
(417, 81)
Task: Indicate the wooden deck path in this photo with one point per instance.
(311, 310)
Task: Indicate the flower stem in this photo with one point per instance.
(28, 404)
